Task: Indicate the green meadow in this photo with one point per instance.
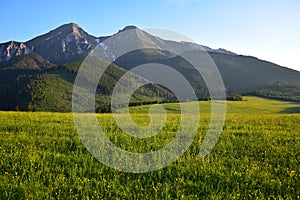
(256, 157)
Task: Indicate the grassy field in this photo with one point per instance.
(257, 157)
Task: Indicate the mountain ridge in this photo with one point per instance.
(71, 31)
(39, 74)
(28, 46)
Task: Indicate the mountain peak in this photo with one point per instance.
(70, 28)
(72, 25)
(67, 42)
(126, 28)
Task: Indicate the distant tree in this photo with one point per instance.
(235, 97)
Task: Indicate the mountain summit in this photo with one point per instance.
(66, 43)
(126, 28)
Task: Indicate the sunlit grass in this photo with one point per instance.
(257, 157)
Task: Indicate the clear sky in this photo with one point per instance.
(267, 29)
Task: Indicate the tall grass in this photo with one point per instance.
(257, 157)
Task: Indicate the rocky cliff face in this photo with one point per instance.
(11, 49)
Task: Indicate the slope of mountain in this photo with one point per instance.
(39, 74)
(27, 61)
(245, 73)
(240, 73)
(283, 90)
(50, 89)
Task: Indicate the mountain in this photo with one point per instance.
(64, 44)
(242, 74)
(38, 74)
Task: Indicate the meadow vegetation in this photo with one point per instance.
(256, 157)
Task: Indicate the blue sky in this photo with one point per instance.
(267, 29)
